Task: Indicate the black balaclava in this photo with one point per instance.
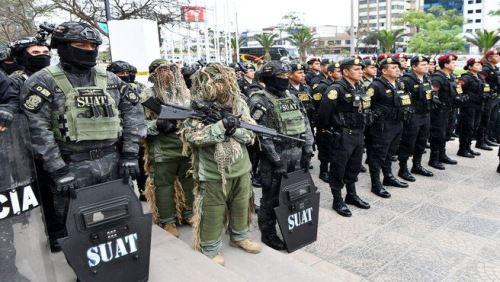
(275, 84)
(126, 78)
(131, 78)
(9, 68)
(76, 57)
(32, 63)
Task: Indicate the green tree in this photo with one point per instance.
(484, 40)
(17, 17)
(437, 30)
(303, 39)
(234, 46)
(388, 38)
(267, 40)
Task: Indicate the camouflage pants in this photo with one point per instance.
(164, 174)
(217, 206)
(88, 173)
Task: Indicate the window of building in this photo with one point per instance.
(478, 20)
(470, 11)
(338, 42)
(479, 1)
(478, 11)
(373, 1)
(468, 30)
(347, 42)
(361, 2)
(470, 2)
(469, 21)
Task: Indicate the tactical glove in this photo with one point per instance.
(230, 123)
(6, 118)
(307, 154)
(65, 181)
(128, 166)
(166, 126)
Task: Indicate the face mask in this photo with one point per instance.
(79, 58)
(125, 78)
(132, 78)
(10, 68)
(280, 84)
(36, 63)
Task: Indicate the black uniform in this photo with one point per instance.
(391, 106)
(491, 75)
(342, 116)
(416, 131)
(310, 75)
(304, 96)
(471, 111)
(447, 90)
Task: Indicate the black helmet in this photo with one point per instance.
(118, 66)
(274, 68)
(75, 31)
(132, 69)
(4, 52)
(20, 45)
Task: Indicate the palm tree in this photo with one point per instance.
(241, 41)
(303, 39)
(267, 40)
(388, 38)
(484, 40)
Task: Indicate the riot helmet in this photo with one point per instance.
(121, 69)
(31, 59)
(275, 75)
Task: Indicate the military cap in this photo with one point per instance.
(446, 58)
(400, 56)
(155, 64)
(333, 66)
(325, 61)
(471, 62)
(370, 62)
(351, 62)
(491, 52)
(388, 61)
(296, 67)
(312, 59)
(381, 57)
(417, 59)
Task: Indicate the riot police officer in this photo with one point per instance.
(344, 111)
(121, 69)
(391, 106)
(443, 83)
(477, 92)
(7, 64)
(78, 113)
(416, 131)
(491, 75)
(9, 102)
(276, 108)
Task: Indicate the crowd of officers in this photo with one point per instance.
(88, 127)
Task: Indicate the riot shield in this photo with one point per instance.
(298, 210)
(109, 236)
(23, 242)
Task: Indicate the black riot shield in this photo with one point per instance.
(23, 242)
(298, 210)
(109, 236)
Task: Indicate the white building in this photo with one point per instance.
(476, 15)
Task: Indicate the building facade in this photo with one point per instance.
(447, 4)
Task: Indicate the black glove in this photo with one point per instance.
(230, 123)
(307, 154)
(65, 181)
(166, 126)
(6, 118)
(128, 166)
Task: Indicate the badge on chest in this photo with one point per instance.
(89, 97)
(287, 105)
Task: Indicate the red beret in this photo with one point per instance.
(400, 56)
(381, 57)
(491, 52)
(446, 58)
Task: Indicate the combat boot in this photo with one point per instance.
(418, 168)
(171, 228)
(404, 172)
(247, 245)
(272, 240)
(445, 159)
(434, 161)
(480, 144)
(475, 153)
(338, 203)
(489, 142)
(377, 187)
(219, 259)
(390, 180)
(463, 152)
(352, 197)
(325, 177)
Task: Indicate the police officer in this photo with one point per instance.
(369, 72)
(403, 60)
(302, 91)
(478, 92)
(324, 153)
(432, 65)
(343, 113)
(491, 75)
(416, 131)
(391, 106)
(7, 64)
(121, 69)
(136, 85)
(324, 68)
(276, 108)
(313, 70)
(247, 78)
(443, 83)
(9, 102)
(31, 53)
(78, 113)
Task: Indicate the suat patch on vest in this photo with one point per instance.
(332, 95)
(288, 105)
(42, 91)
(317, 96)
(91, 100)
(33, 102)
(303, 97)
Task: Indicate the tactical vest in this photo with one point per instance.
(451, 90)
(353, 105)
(401, 101)
(421, 93)
(287, 117)
(90, 113)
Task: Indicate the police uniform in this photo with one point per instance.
(310, 74)
(9, 101)
(303, 93)
(491, 75)
(344, 111)
(416, 130)
(390, 106)
(78, 113)
(478, 93)
(276, 108)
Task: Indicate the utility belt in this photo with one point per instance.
(90, 155)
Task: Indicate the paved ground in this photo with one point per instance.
(444, 228)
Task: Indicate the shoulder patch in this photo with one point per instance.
(315, 85)
(33, 102)
(317, 96)
(370, 92)
(332, 95)
(42, 91)
(132, 97)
